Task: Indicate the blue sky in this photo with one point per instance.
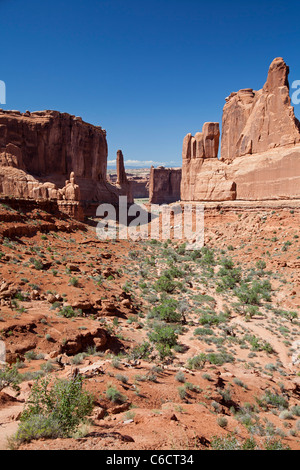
(148, 72)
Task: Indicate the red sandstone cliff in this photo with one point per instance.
(202, 176)
(257, 121)
(260, 148)
(39, 150)
(164, 185)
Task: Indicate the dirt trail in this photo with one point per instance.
(8, 424)
(277, 345)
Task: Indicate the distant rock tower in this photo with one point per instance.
(122, 181)
(121, 173)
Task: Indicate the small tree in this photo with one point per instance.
(63, 405)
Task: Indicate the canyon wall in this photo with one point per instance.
(164, 185)
(260, 147)
(257, 121)
(39, 151)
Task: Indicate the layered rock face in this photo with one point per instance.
(260, 147)
(257, 121)
(164, 185)
(39, 150)
(202, 176)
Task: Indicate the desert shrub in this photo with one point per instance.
(219, 358)
(286, 414)
(222, 421)
(33, 355)
(256, 292)
(114, 395)
(197, 362)
(141, 351)
(204, 298)
(275, 444)
(74, 281)
(289, 315)
(203, 332)
(210, 318)
(47, 367)
(180, 377)
(260, 265)
(296, 410)
(182, 392)
(65, 402)
(68, 312)
(228, 442)
(163, 335)
(207, 257)
(166, 311)
(77, 359)
(259, 345)
(123, 378)
(36, 263)
(247, 295)
(173, 272)
(249, 444)
(239, 382)
(39, 427)
(275, 400)
(10, 375)
(229, 276)
(164, 284)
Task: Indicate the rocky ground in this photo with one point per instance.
(180, 349)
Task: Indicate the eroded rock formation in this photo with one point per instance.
(257, 121)
(139, 181)
(260, 147)
(122, 182)
(39, 150)
(202, 176)
(164, 185)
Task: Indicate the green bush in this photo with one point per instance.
(165, 284)
(228, 442)
(180, 377)
(114, 395)
(10, 375)
(275, 400)
(65, 402)
(197, 362)
(74, 281)
(163, 335)
(39, 427)
(228, 274)
(207, 258)
(219, 358)
(141, 351)
(68, 312)
(166, 311)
